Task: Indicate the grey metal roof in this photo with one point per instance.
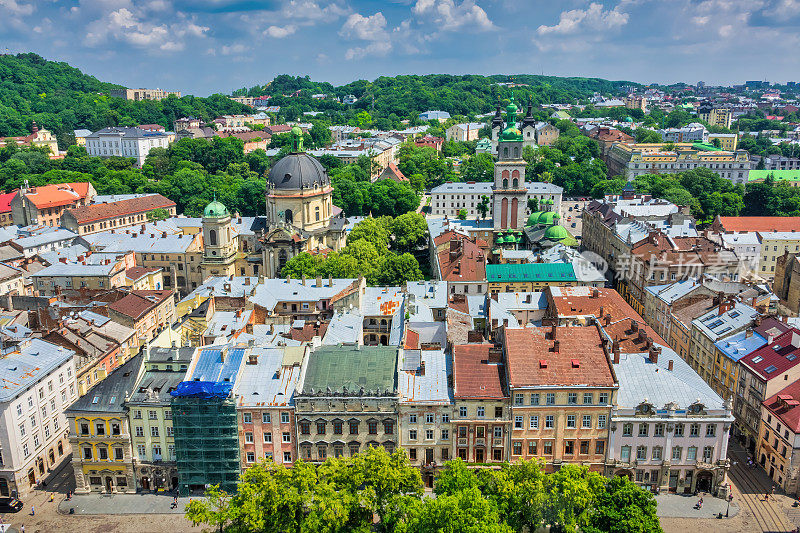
(30, 362)
(344, 328)
(716, 326)
(298, 171)
(45, 238)
(238, 287)
(429, 387)
(640, 380)
(268, 382)
(272, 291)
(155, 385)
(127, 133)
(107, 396)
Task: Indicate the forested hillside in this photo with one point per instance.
(61, 98)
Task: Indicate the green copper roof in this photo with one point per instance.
(511, 133)
(352, 367)
(215, 210)
(556, 233)
(534, 218)
(778, 175)
(548, 272)
(705, 147)
(548, 217)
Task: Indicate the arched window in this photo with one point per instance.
(288, 216)
(316, 213)
(516, 183)
(212, 237)
(505, 184)
(505, 151)
(516, 151)
(515, 174)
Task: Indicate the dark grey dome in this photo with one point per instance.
(298, 171)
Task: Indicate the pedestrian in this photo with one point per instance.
(33, 511)
(701, 503)
(22, 528)
(52, 496)
(766, 496)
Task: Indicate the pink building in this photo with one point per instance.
(265, 404)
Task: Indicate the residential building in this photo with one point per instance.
(463, 132)
(441, 116)
(694, 132)
(204, 419)
(38, 384)
(143, 94)
(715, 116)
(763, 373)
(149, 414)
(92, 275)
(99, 434)
(426, 400)
(461, 262)
(118, 141)
(634, 159)
(144, 278)
(11, 280)
(634, 101)
(145, 311)
(787, 280)
(773, 246)
(80, 136)
(116, 214)
(450, 198)
(265, 405)
(607, 137)
(347, 390)
(186, 123)
(39, 137)
(727, 141)
(480, 420)
(531, 277)
(44, 205)
(778, 449)
(562, 388)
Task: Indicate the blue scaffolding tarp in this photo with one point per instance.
(202, 389)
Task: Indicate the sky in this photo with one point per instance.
(208, 46)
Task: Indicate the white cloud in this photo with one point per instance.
(130, 26)
(580, 20)
(15, 8)
(377, 48)
(234, 49)
(449, 16)
(279, 32)
(371, 28)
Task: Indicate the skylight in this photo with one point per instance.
(757, 359)
(770, 369)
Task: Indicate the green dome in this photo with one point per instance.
(547, 218)
(534, 218)
(556, 233)
(500, 240)
(215, 210)
(512, 107)
(511, 134)
(628, 119)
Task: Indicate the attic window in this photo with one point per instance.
(757, 359)
(576, 363)
(113, 399)
(776, 347)
(791, 357)
(542, 363)
(770, 369)
(96, 399)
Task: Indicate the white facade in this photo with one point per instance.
(125, 142)
(449, 198)
(34, 434)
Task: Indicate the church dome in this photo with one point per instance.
(556, 233)
(548, 218)
(298, 171)
(534, 218)
(215, 210)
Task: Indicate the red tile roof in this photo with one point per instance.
(138, 303)
(785, 405)
(580, 359)
(5, 201)
(137, 273)
(462, 260)
(474, 376)
(57, 194)
(743, 224)
(131, 206)
(780, 355)
(412, 340)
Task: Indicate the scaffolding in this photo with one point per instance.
(206, 442)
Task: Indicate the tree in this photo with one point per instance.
(483, 206)
(410, 232)
(157, 214)
(644, 135)
(622, 507)
(462, 214)
(479, 167)
(533, 204)
(466, 511)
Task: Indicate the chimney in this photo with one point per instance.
(553, 332)
(304, 279)
(602, 310)
(654, 351)
(422, 368)
(615, 350)
(556, 346)
(595, 292)
(238, 313)
(528, 299)
(319, 281)
(142, 229)
(330, 281)
(494, 296)
(246, 281)
(495, 355)
(670, 365)
(9, 302)
(505, 322)
(494, 323)
(634, 326)
(607, 319)
(642, 335)
(748, 333)
(785, 319)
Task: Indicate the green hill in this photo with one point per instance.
(62, 98)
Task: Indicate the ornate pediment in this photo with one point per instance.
(697, 408)
(645, 408)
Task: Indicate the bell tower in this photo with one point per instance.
(509, 192)
(219, 241)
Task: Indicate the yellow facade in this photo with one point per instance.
(101, 455)
(527, 286)
(773, 245)
(727, 141)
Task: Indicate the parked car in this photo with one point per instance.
(10, 505)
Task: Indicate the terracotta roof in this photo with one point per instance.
(392, 171)
(745, 224)
(459, 303)
(137, 273)
(5, 201)
(473, 375)
(412, 340)
(138, 303)
(278, 128)
(94, 212)
(57, 194)
(588, 301)
(533, 360)
(462, 260)
(249, 136)
(307, 332)
(785, 405)
(776, 357)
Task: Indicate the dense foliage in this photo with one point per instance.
(61, 98)
(381, 249)
(343, 495)
(771, 199)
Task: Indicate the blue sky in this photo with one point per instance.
(205, 46)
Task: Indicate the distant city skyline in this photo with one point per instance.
(210, 46)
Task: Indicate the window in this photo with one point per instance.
(153, 415)
(247, 418)
(33, 422)
(643, 430)
(517, 448)
(627, 430)
(286, 437)
(657, 453)
(462, 411)
(691, 453)
(708, 453)
(534, 422)
(551, 398)
(372, 428)
(412, 434)
(694, 430)
(287, 457)
(102, 452)
(679, 430)
(481, 411)
(154, 431)
(388, 427)
(320, 428)
(518, 422)
(268, 437)
(588, 398)
(429, 418)
(535, 399)
(412, 419)
(100, 428)
(251, 457)
(118, 454)
(248, 436)
(137, 414)
(337, 427)
(585, 447)
(353, 427)
(445, 417)
(139, 431)
(548, 422)
(498, 431)
(547, 447)
(569, 447)
(586, 422)
(641, 452)
(265, 418)
(603, 398)
(658, 430)
(625, 454)
(711, 430)
(445, 434)
(570, 421)
(84, 429)
(412, 454)
(601, 421)
(572, 398)
(599, 447)
(498, 412)
(87, 452)
(677, 451)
